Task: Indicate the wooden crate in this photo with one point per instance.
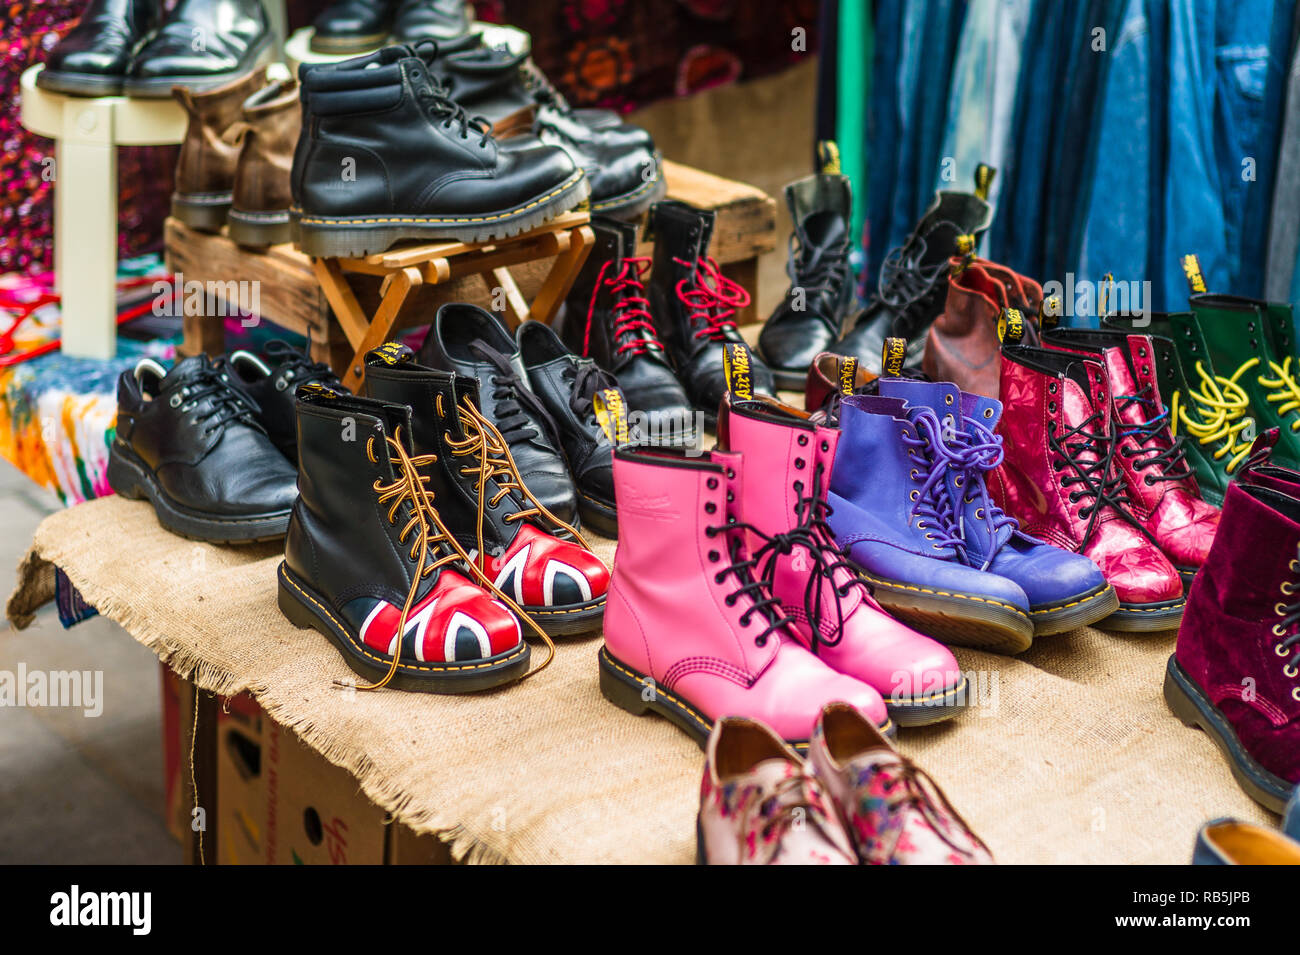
(292, 298)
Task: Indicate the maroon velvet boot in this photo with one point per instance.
(1236, 669)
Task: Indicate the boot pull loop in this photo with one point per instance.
(236, 132)
(984, 174)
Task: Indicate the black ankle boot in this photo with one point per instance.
(272, 378)
(202, 45)
(352, 26)
(557, 580)
(694, 305)
(388, 156)
(607, 318)
(811, 317)
(914, 280)
(95, 55)
(367, 557)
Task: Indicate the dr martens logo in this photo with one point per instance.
(1192, 269)
(611, 414)
(1011, 326)
(315, 389)
(892, 356)
(391, 353)
(736, 367)
(848, 375)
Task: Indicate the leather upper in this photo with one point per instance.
(272, 120)
(272, 378)
(230, 31)
(355, 18)
(430, 19)
(106, 36)
(208, 160)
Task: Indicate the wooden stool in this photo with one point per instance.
(567, 239)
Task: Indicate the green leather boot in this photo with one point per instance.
(1251, 345)
(1213, 449)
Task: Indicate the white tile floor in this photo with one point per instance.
(76, 788)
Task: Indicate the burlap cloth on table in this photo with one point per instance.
(1072, 756)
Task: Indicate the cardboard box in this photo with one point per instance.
(241, 785)
(177, 719)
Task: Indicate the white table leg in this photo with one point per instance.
(85, 195)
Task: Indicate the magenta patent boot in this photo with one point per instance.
(788, 465)
(691, 632)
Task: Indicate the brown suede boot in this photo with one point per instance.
(259, 211)
(963, 345)
(205, 172)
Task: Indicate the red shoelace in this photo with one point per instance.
(631, 308)
(712, 298)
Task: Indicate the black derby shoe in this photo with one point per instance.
(95, 55)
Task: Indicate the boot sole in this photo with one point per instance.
(131, 479)
(1080, 612)
(308, 610)
(348, 44)
(570, 620)
(1189, 703)
(79, 84)
(259, 230)
(625, 688)
(979, 622)
(359, 236)
(160, 87)
(204, 212)
(1145, 618)
(932, 708)
(598, 516)
(631, 204)
(1187, 574)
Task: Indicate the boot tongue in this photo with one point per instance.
(188, 368)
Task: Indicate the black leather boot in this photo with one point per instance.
(202, 45)
(607, 318)
(271, 379)
(914, 280)
(620, 160)
(95, 55)
(386, 156)
(353, 26)
(570, 388)
(430, 20)
(542, 562)
(694, 305)
(811, 317)
(367, 557)
(469, 341)
(188, 441)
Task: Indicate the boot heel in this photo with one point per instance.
(616, 688)
(294, 610)
(1180, 704)
(123, 479)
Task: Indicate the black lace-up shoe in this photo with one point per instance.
(694, 305)
(188, 440)
(811, 316)
(386, 155)
(471, 342)
(271, 379)
(590, 412)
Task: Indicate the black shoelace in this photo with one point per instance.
(1098, 481)
(757, 590)
(584, 381)
(298, 366)
(226, 403)
(451, 114)
(904, 282)
(517, 410)
(817, 269)
(813, 533)
(1169, 463)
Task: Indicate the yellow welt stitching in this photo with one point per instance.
(344, 222)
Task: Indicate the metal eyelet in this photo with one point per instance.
(1286, 588)
(1291, 671)
(281, 384)
(798, 487)
(1051, 388)
(175, 400)
(930, 537)
(710, 508)
(967, 499)
(1295, 694)
(1051, 407)
(826, 446)
(731, 473)
(1279, 608)
(1295, 566)
(947, 399)
(711, 483)
(914, 474)
(799, 463)
(714, 556)
(988, 412)
(1279, 649)
(914, 495)
(979, 512)
(731, 498)
(803, 440)
(957, 482)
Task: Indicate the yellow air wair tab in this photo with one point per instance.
(828, 157)
(1049, 312)
(391, 352)
(984, 174)
(892, 355)
(611, 413)
(848, 375)
(1011, 326)
(736, 367)
(1192, 269)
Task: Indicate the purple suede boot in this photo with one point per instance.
(1236, 669)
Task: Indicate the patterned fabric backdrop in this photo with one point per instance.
(618, 53)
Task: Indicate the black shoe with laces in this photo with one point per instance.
(271, 379)
(188, 441)
(694, 306)
(811, 316)
(578, 396)
(387, 155)
(607, 318)
(469, 341)
(914, 278)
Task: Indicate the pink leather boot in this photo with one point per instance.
(788, 465)
(690, 632)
